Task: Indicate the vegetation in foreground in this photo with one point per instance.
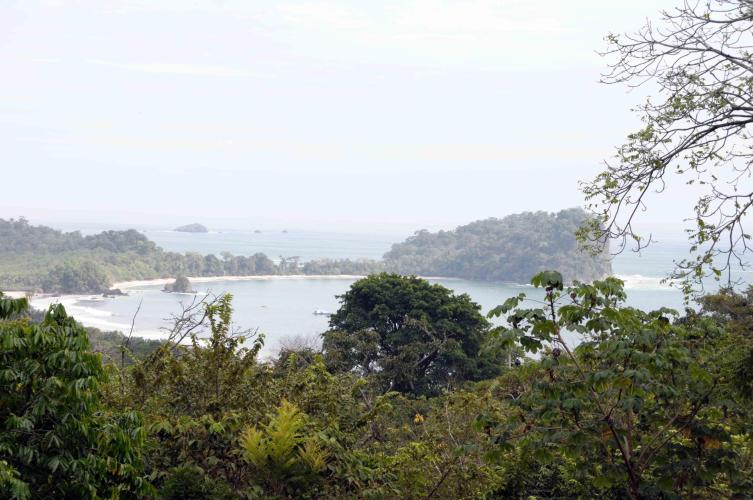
(646, 405)
(619, 402)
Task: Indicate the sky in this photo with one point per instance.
(326, 114)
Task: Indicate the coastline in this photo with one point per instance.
(85, 309)
(75, 304)
(126, 285)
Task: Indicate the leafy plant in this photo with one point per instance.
(408, 335)
(638, 402)
(284, 458)
(55, 437)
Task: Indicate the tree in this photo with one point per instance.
(261, 264)
(207, 374)
(77, 277)
(56, 440)
(734, 311)
(408, 334)
(640, 403)
(698, 128)
(212, 266)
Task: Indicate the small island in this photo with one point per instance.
(180, 285)
(192, 228)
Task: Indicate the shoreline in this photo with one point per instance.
(83, 306)
(127, 285)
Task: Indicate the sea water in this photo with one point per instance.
(282, 308)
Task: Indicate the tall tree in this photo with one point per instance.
(697, 127)
(56, 439)
(408, 334)
(641, 403)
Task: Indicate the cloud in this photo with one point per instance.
(175, 69)
(327, 14)
(474, 16)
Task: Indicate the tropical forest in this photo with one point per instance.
(557, 330)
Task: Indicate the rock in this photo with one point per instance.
(180, 285)
(192, 228)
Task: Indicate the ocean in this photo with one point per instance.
(283, 308)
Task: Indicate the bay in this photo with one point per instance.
(283, 307)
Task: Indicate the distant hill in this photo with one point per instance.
(512, 249)
(38, 258)
(192, 228)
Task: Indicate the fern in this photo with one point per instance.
(313, 455)
(283, 456)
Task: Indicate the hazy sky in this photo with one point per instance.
(309, 114)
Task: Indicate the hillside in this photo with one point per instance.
(512, 249)
(39, 258)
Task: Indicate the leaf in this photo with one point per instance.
(548, 279)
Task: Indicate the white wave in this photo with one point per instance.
(93, 317)
(72, 304)
(641, 282)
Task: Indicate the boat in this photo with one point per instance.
(321, 312)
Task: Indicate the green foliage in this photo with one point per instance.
(513, 248)
(359, 267)
(283, 457)
(640, 403)
(205, 443)
(510, 249)
(55, 438)
(695, 130)
(11, 484)
(84, 277)
(408, 335)
(12, 307)
(208, 376)
(648, 404)
(732, 309)
(40, 258)
(190, 483)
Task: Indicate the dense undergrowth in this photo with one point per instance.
(648, 405)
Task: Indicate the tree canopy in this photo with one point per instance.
(513, 248)
(415, 337)
(56, 439)
(639, 402)
(40, 258)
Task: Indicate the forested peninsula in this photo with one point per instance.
(42, 259)
(513, 249)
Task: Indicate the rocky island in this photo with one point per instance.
(192, 228)
(180, 285)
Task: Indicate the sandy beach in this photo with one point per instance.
(78, 305)
(125, 285)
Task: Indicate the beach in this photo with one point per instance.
(126, 285)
